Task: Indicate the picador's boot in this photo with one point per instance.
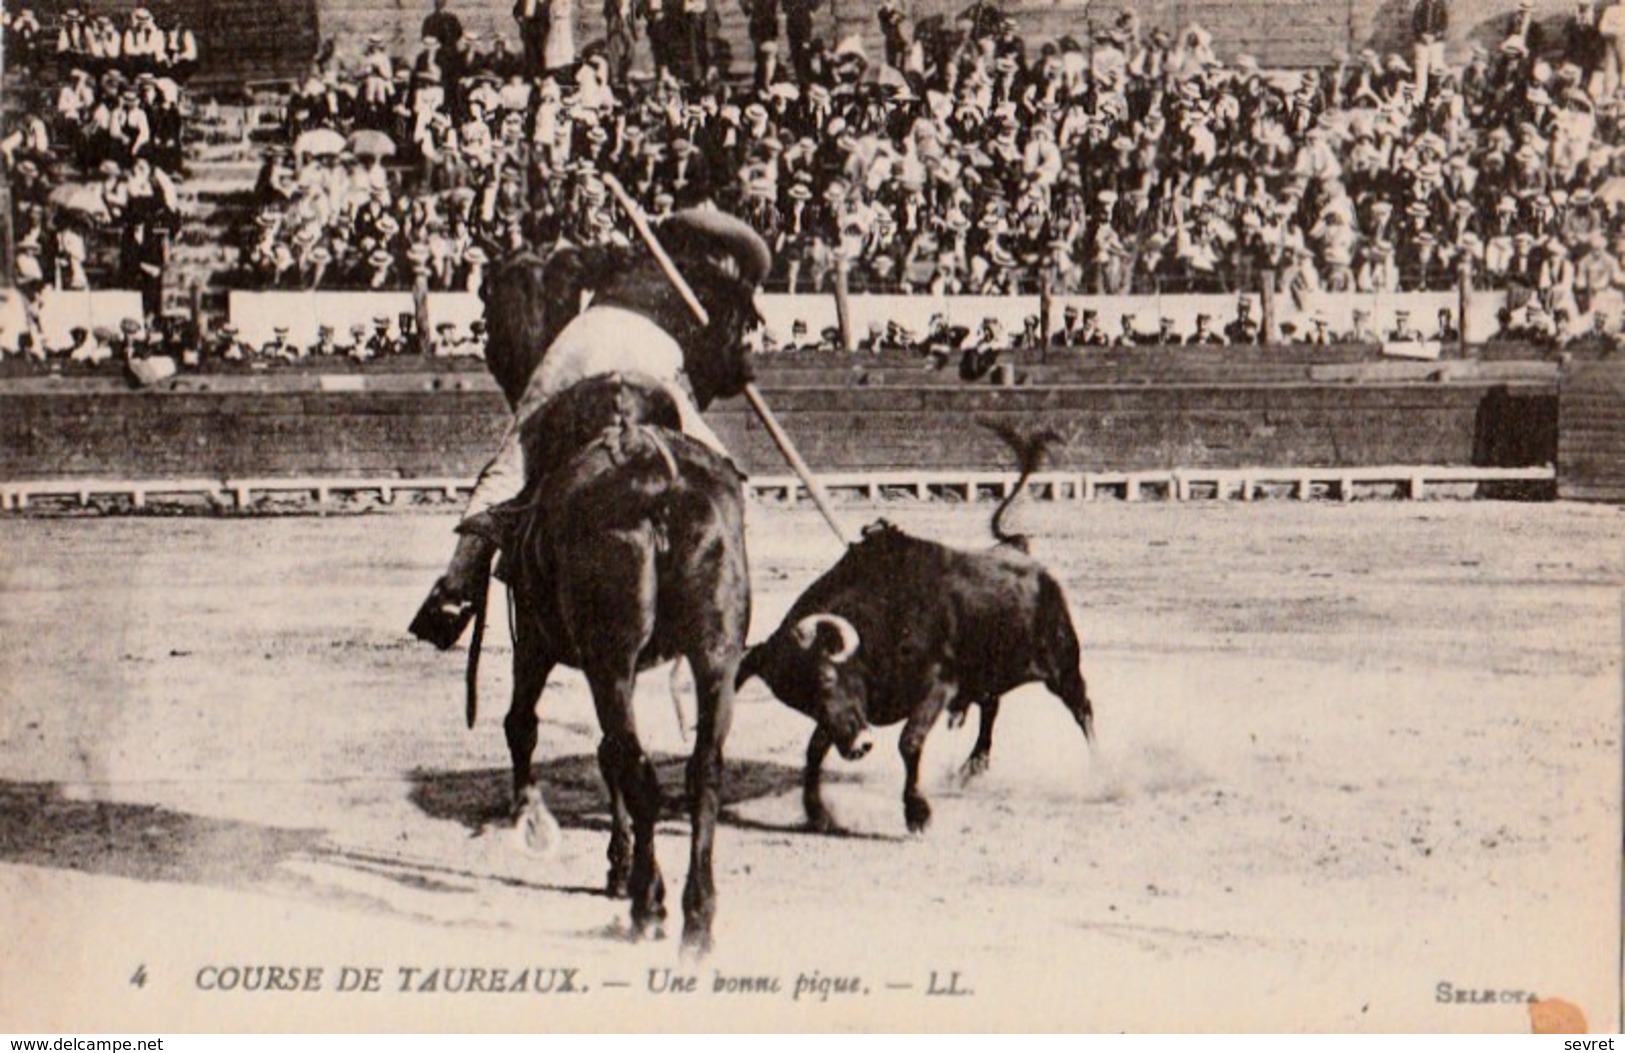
(459, 592)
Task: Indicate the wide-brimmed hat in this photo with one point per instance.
(708, 231)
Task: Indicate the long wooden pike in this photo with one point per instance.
(753, 394)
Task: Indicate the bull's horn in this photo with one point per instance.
(807, 632)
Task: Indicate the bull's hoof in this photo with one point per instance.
(535, 826)
(956, 718)
(917, 813)
(974, 766)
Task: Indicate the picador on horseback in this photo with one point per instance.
(637, 324)
(621, 518)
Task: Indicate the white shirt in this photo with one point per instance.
(604, 340)
(598, 341)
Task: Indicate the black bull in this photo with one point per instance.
(630, 552)
(902, 628)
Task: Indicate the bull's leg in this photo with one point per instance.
(714, 686)
(617, 880)
(981, 753)
(819, 819)
(916, 810)
(1069, 687)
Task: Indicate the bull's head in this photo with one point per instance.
(810, 667)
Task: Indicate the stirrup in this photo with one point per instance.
(441, 620)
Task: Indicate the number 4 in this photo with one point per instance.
(139, 978)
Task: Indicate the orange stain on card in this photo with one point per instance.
(1553, 1016)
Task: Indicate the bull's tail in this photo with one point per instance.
(1029, 451)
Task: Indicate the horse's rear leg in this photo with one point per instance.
(631, 773)
(538, 830)
(608, 593)
(714, 686)
(617, 881)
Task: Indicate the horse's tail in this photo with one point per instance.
(1029, 451)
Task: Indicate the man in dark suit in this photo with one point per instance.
(798, 29)
(1429, 22)
(1204, 336)
(762, 20)
(533, 17)
(444, 27)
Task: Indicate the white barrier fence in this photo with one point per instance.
(63, 310)
(856, 488)
(782, 311)
(257, 314)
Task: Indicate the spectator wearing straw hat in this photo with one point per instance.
(1205, 335)
(1403, 331)
(380, 344)
(325, 345)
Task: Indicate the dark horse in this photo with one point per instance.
(630, 552)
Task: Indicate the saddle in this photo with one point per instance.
(614, 415)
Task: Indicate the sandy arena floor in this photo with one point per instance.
(1348, 755)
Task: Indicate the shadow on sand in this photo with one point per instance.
(575, 793)
(43, 825)
(40, 826)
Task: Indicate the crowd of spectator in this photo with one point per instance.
(1079, 327)
(961, 159)
(965, 161)
(91, 148)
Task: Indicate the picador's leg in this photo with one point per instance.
(980, 754)
(451, 603)
(916, 810)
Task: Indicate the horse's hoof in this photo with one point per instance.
(616, 886)
(822, 822)
(538, 831)
(650, 926)
(697, 944)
